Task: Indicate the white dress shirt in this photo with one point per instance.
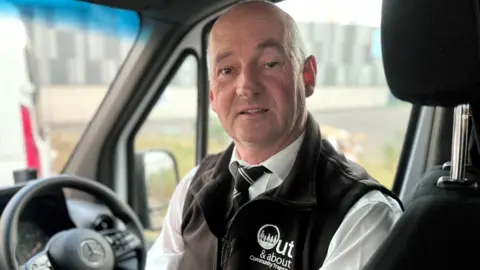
(362, 231)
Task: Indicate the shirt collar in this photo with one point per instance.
(279, 164)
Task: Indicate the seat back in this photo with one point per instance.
(431, 57)
(438, 230)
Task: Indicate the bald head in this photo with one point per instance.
(259, 78)
(250, 15)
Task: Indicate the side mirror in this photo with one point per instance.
(156, 176)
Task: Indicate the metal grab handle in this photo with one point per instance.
(459, 142)
(457, 166)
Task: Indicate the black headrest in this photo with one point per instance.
(431, 50)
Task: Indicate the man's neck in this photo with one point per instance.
(256, 154)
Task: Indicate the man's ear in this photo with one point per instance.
(211, 97)
(310, 75)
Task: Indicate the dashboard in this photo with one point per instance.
(50, 213)
(31, 240)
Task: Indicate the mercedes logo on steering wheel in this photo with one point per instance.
(92, 252)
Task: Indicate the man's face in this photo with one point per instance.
(256, 91)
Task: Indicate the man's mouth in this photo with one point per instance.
(254, 111)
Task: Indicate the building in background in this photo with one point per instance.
(346, 49)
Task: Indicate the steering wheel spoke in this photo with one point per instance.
(41, 261)
(123, 242)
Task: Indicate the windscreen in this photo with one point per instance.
(58, 60)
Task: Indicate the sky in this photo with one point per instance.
(11, 28)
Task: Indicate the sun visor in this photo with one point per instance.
(431, 50)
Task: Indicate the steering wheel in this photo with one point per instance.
(76, 248)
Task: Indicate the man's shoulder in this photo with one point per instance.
(378, 199)
(369, 192)
(211, 159)
(187, 179)
(353, 182)
(338, 164)
(192, 174)
(207, 163)
(184, 184)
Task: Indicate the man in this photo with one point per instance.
(307, 207)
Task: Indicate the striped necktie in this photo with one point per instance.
(244, 178)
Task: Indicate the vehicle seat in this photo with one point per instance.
(431, 57)
(438, 230)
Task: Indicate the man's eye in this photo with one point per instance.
(271, 64)
(225, 71)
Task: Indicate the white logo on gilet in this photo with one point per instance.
(276, 253)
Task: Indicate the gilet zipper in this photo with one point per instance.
(225, 248)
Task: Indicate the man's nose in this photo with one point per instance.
(247, 83)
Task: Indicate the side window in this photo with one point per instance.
(165, 144)
(352, 102)
(55, 72)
